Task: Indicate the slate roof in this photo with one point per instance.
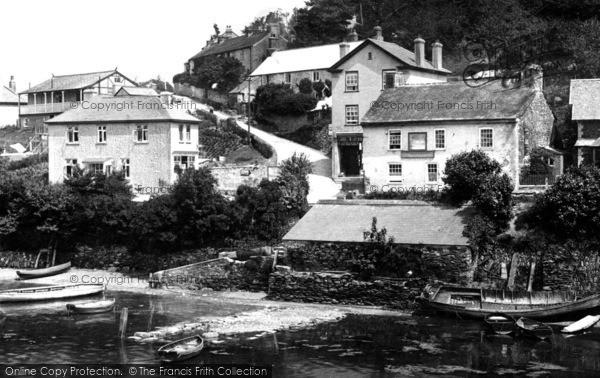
(395, 51)
(7, 96)
(304, 59)
(140, 109)
(451, 101)
(243, 86)
(585, 98)
(232, 44)
(136, 91)
(66, 82)
(409, 222)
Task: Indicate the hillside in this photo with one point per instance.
(12, 134)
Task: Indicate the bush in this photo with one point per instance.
(279, 99)
(29, 161)
(538, 162)
(305, 86)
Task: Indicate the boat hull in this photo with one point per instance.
(96, 307)
(169, 353)
(501, 324)
(533, 329)
(558, 311)
(48, 293)
(582, 325)
(46, 272)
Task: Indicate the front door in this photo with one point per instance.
(350, 160)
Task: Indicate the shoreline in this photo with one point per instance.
(268, 316)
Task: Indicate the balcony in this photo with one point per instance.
(49, 108)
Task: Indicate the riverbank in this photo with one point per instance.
(268, 316)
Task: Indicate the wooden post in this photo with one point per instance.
(503, 271)
(531, 274)
(275, 259)
(513, 271)
(123, 322)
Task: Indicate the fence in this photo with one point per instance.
(537, 179)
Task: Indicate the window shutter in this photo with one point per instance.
(397, 79)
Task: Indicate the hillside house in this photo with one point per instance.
(412, 130)
(585, 100)
(9, 104)
(359, 77)
(59, 93)
(144, 136)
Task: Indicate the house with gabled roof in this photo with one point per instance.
(251, 49)
(146, 137)
(410, 131)
(57, 94)
(358, 78)
(9, 104)
(584, 97)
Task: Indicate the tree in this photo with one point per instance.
(279, 99)
(305, 86)
(293, 177)
(262, 23)
(225, 72)
(569, 209)
(321, 22)
(265, 212)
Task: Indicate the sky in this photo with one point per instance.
(143, 39)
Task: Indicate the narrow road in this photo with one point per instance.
(321, 184)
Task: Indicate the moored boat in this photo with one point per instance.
(38, 273)
(181, 349)
(45, 293)
(582, 324)
(501, 324)
(92, 307)
(478, 303)
(533, 328)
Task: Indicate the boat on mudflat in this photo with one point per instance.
(181, 349)
(501, 324)
(582, 324)
(478, 303)
(38, 273)
(93, 307)
(533, 328)
(46, 293)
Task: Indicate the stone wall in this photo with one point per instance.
(342, 288)
(567, 269)
(219, 274)
(200, 93)
(230, 177)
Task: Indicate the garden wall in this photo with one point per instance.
(567, 269)
(342, 288)
(230, 177)
(200, 93)
(219, 274)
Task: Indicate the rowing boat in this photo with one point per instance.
(46, 293)
(38, 273)
(93, 307)
(533, 328)
(468, 302)
(181, 349)
(501, 324)
(582, 324)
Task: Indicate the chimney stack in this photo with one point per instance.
(344, 48)
(88, 94)
(436, 55)
(353, 36)
(419, 51)
(274, 29)
(378, 33)
(12, 85)
(165, 97)
(229, 32)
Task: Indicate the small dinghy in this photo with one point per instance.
(92, 307)
(533, 328)
(582, 324)
(501, 324)
(47, 293)
(181, 349)
(46, 272)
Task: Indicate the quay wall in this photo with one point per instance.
(342, 288)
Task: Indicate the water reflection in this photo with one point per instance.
(355, 346)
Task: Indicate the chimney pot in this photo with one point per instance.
(436, 52)
(419, 51)
(12, 84)
(344, 48)
(378, 33)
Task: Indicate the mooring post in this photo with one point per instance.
(123, 322)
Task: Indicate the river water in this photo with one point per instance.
(356, 346)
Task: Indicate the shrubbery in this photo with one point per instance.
(280, 99)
